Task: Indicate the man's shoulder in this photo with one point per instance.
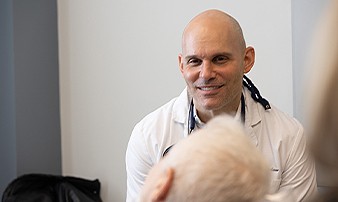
(275, 122)
(273, 117)
(160, 128)
(282, 126)
(283, 119)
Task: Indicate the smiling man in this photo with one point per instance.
(213, 62)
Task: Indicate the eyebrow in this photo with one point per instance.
(214, 55)
(190, 56)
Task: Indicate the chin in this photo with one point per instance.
(211, 106)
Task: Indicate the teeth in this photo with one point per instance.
(208, 88)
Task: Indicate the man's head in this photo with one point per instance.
(216, 163)
(213, 60)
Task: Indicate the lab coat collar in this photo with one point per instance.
(253, 116)
(252, 113)
(181, 105)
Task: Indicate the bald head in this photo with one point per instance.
(212, 22)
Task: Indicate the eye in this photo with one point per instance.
(194, 62)
(220, 59)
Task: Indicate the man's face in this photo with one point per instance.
(212, 64)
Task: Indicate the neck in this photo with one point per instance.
(207, 115)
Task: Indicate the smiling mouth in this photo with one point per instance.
(209, 88)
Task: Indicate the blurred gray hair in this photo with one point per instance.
(322, 96)
(218, 163)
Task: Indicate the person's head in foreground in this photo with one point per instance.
(216, 163)
(322, 103)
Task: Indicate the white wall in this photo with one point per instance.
(118, 62)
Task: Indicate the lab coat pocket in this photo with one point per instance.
(275, 181)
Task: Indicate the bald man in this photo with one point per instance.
(213, 62)
(217, 163)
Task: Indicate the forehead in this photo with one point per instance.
(206, 39)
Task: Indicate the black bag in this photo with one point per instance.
(52, 188)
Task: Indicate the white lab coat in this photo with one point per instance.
(280, 138)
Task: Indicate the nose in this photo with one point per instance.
(207, 70)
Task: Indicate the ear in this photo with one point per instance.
(162, 189)
(180, 62)
(249, 59)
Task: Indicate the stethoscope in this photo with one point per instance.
(254, 94)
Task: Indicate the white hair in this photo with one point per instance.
(218, 163)
(322, 96)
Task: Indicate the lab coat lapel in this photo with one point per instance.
(180, 110)
(253, 117)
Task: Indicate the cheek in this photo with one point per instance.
(190, 76)
(234, 73)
